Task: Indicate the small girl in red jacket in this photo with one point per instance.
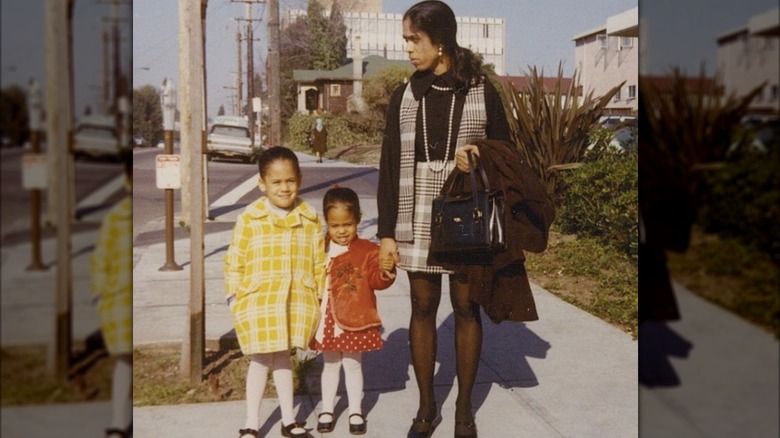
(350, 322)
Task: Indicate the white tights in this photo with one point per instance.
(257, 377)
(353, 379)
(122, 392)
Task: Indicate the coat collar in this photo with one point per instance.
(259, 209)
(422, 81)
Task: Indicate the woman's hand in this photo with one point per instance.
(388, 255)
(462, 159)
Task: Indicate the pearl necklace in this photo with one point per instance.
(442, 164)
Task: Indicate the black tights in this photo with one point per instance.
(426, 295)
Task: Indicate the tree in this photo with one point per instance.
(324, 53)
(147, 114)
(14, 119)
(379, 87)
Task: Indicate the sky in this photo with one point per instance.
(677, 33)
(22, 46)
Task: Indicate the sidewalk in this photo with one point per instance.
(567, 375)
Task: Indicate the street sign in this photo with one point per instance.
(168, 171)
(34, 171)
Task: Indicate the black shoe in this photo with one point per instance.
(470, 426)
(326, 427)
(287, 431)
(427, 432)
(253, 432)
(357, 429)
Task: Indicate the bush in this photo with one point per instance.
(343, 130)
(742, 199)
(600, 200)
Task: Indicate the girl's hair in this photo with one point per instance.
(344, 196)
(276, 153)
(437, 20)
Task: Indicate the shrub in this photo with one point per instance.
(600, 200)
(345, 129)
(742, 199)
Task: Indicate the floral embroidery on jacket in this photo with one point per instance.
(347, 276)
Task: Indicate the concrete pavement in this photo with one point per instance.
(567, 375)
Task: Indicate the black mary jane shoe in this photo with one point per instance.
(113, 432)
(470, 426)
(253, 432)
(326, 426)
(358, 429)
(425, 433)
(287, 431)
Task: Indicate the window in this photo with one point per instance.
(602, 41)
(617, 95)
(626, 42)
(631, 91)
(774, 92)
(485, 31)
(335, 90)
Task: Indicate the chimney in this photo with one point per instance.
(357, 68)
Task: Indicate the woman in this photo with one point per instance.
(319, 142)
(431, 123)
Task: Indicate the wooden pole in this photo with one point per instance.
(274, 75)
(190, 80)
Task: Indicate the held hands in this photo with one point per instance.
(388, 257)
(462, 159)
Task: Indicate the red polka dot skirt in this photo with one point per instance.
(348, 341)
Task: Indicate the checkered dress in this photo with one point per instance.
(419, 184)
(111, 268)
(275, 267)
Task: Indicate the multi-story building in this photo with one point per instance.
(382, 34)
(749, 56)
(608, 55)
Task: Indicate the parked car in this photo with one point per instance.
(139, 141)
(229, 138)
(96, 138)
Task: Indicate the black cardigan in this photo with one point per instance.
(437, 106)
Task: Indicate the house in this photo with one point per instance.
(749, 56)
(331, 90)
(608, 55)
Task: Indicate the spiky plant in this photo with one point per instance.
(691, 123)
(551, 127)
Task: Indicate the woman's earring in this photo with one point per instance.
(440, 53)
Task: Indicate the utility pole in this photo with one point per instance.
(59, 132)
(106, 92)
(191, 89)
(250, 64)
(274, 75)
(239, 104)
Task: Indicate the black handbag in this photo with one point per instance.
(471, 224)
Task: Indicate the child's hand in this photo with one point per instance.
(387, 265)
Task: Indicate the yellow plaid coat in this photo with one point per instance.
(275, 268)
(111, 269)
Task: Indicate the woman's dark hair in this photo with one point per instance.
(344, 196)
(437, 20)
(276, 153)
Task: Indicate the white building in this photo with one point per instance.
(749, 56)
(608, 55)
(382, 34)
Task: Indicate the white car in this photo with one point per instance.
(96, 137)
(229, 138)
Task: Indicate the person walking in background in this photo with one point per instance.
(350, 323)
(274, 271)
(431, 123)
(319, 139)
(111, 269)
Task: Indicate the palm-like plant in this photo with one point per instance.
(551, 127)
(691, 124)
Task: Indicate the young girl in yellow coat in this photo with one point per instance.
(274, 269)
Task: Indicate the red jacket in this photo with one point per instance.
(354, 276)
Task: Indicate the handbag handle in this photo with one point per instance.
(472, 177)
